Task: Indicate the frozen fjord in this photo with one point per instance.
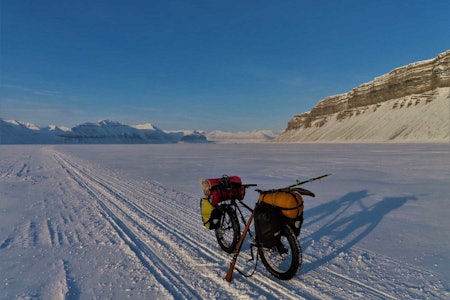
(122, 220)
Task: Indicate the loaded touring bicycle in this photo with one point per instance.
(277, 217)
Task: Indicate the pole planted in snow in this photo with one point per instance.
(238, 248)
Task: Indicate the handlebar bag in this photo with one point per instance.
(290, 202)
(224, 188)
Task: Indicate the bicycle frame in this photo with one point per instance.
(229, 275)
(240, 242)
(233, 203)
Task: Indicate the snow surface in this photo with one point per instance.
(123, 221)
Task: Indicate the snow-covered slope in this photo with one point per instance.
(194, 137)
(413, 118)
(16, 132)
(408, 104)
(256, 136)
(109, 132)
(123, 222)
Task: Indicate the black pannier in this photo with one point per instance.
(268, 224)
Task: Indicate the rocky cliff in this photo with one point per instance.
(410, 103)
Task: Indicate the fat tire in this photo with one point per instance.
(290, 242)
(229, 231)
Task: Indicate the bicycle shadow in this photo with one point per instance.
(343, 229)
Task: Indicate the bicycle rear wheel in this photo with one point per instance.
(229, 232)
(283, 260)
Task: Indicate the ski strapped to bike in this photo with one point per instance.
(297, 183)
(229, 275)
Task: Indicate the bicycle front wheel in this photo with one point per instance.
(229, 232)
(283, 260)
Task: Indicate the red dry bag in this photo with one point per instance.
(221, 189)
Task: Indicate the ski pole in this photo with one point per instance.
(238, 247)
(308, 180)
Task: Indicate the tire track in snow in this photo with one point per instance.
(6, 243)
(159, 211)
(171, 281)
(129, 208)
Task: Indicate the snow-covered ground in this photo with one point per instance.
(122, 221)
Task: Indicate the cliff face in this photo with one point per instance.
(415, 85)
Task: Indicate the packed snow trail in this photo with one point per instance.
(74, 230)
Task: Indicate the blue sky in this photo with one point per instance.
(181, 64)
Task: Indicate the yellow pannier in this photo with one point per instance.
(290, 202)
(210, 214)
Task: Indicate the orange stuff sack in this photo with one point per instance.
(290, 202)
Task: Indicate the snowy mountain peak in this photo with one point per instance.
(101, 123)
(28, 125)
(146, 126)
(53, 127)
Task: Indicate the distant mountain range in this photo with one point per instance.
(110, 132)
(408, 104)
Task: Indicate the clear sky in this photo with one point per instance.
(191, 64)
